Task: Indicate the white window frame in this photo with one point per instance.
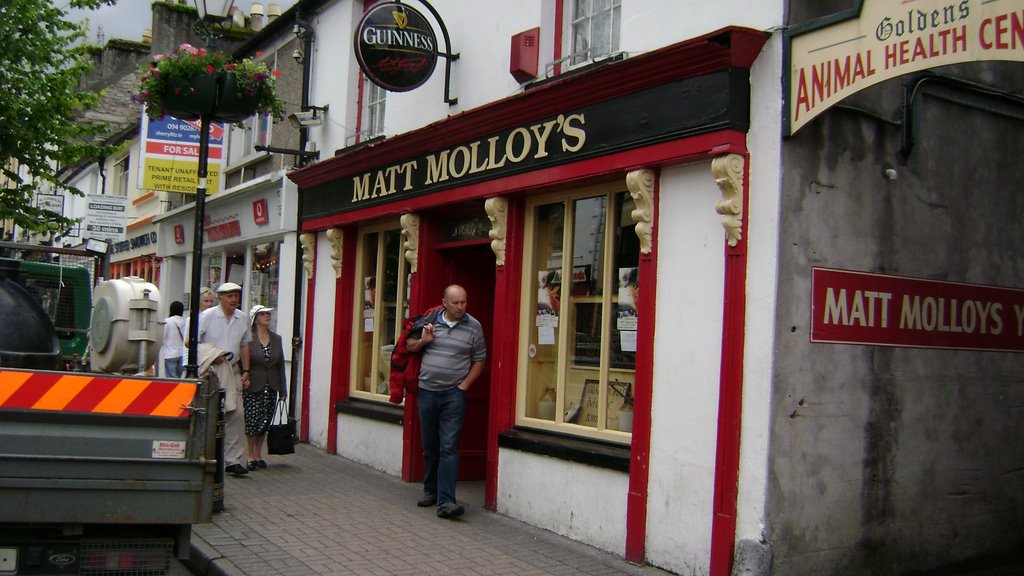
(581, 20)
(374, 109)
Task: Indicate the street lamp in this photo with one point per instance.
(210, 12)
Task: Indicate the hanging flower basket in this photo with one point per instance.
(191, 82)
(189, 101)
(234, 104)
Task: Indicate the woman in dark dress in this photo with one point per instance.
(266, 383)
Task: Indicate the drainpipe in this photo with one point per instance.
(300, 272)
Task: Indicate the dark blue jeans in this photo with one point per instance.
(441, 415)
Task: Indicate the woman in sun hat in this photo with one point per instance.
(266, 383)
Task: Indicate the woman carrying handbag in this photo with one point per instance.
(267, 383)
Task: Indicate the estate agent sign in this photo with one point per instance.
(396, 47)
(832, 58)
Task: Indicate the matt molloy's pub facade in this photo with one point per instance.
(748, 271)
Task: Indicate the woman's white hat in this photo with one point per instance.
(257, 309)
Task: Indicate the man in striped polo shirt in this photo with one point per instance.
(453, 354)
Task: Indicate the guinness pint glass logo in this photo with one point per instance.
(396, 47)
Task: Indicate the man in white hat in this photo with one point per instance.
(227, 327)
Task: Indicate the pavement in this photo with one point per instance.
(315, 513)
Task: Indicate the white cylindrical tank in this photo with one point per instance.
(126, 331)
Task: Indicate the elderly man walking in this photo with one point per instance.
(227, 328)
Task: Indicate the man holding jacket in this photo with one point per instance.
(453, 354)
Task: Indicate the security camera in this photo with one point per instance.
(305, 119)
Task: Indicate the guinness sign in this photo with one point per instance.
(396, 47)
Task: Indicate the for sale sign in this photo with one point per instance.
(171, 155)
(861, 308)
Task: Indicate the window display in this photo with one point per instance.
(579, 349)
(382, 305)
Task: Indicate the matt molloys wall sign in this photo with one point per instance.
(396, 47)
(850, 307)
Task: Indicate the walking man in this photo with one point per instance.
(453, 354)
(227, 328)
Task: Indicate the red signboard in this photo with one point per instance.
(861, 308)
(179, 234)
(259, 212)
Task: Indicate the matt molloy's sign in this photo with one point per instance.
(850, 307)
(396, 47)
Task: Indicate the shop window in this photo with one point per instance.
(593, 30)
(578, 361)
(265, 277)
(380, 307)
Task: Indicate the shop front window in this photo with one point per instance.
(579, 349)
(265, 277)
(381, 306)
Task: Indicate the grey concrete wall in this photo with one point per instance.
(887, 460)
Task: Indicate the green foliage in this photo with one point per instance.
(255, 79)
(40, 64)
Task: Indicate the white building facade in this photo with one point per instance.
(612, 169)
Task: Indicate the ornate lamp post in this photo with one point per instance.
(210, 12)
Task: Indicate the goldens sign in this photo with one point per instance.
(834, 57)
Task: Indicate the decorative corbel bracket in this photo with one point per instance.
(336, 237)
(497, 213)
(728, 173)
(308, 242)
(410, 222)
(641, 187)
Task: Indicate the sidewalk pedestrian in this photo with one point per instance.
(267, 383)
(172, 349)
(227, 328)
(453, 354)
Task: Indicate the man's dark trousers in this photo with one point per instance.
(441, 416)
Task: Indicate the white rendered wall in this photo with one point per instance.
(762, 274)
(482, 38)
(581, 502)
(322, 357)
(375, 444)
(687, 354)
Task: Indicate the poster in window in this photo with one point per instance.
(629, 289)
(549, 283)
(369, 298)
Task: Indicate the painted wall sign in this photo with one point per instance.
(861, 308)
(396, 47)
(832, 58)
(663, 113)
(170, 158)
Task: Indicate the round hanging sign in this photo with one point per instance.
(396, 47)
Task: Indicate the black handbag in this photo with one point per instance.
(281, 436)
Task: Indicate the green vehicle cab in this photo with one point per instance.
(65, 292)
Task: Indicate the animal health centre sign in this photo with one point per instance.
(862, 308)
(832, 58)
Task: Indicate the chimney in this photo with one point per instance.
(273, 11)
(256, 16)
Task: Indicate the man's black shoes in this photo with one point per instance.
(427, 500)
(236, 469)
(450, 510)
